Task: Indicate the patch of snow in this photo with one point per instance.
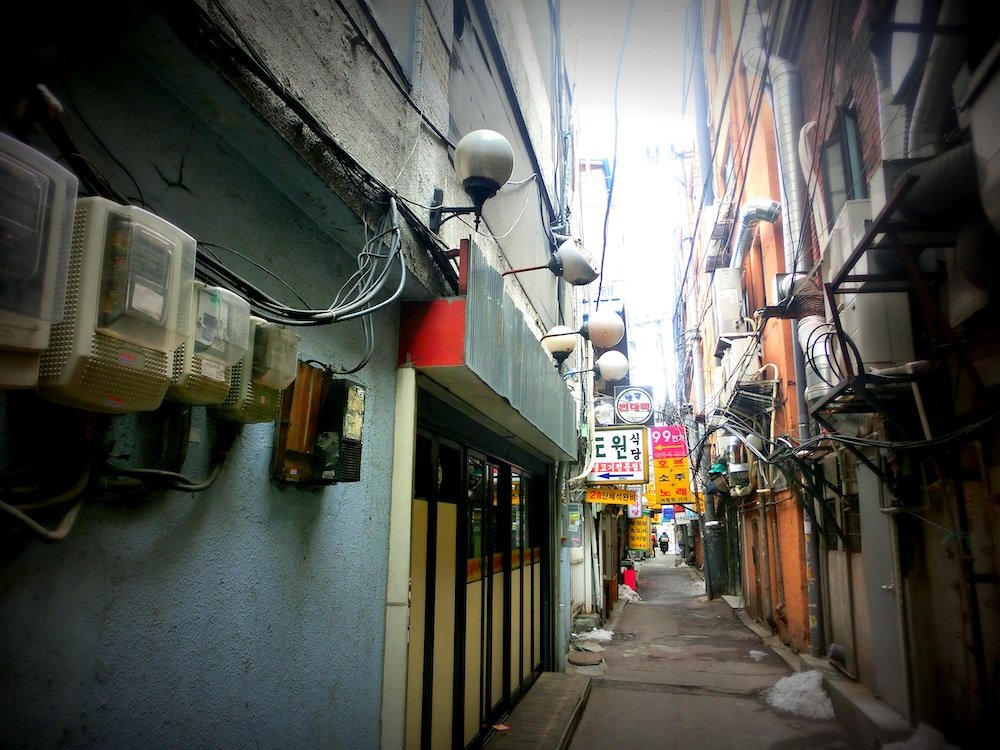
(592, 647)
(801, 694)
(597, 634)
(758, 655)
(696, 586)
(925, 738)
(628, 593)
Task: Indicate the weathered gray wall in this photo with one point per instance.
(249, 615)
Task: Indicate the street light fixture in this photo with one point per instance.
(604, 328)
(610, 366)
(484, 162)
(567, 262)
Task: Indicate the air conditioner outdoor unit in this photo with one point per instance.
(741, 360)
(727, 301)
(848, 229)
(878, 323)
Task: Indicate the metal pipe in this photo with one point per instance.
(699, 374)
(701, 131)
(934, 104)
(786, 103)
(779, 576)
(751, 214)
(765, 574)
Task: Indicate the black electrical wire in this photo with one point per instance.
(368, 186)
(356, 297)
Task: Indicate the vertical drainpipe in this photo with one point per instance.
(701, 134)
(698, 374)
(786, 104)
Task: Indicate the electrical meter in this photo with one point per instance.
(131, 275)
(264, 371)
(37, 201)
(217, 337)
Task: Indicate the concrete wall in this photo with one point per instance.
(251, 614)
(247, 615)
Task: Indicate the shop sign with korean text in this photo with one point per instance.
(668, 441)
(621, 456)
(671, 480)
(611, 496)
(633, 404)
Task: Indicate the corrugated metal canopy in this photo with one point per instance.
(500, 370)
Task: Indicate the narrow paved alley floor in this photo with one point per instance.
(679, 674)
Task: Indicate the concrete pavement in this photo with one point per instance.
(680, 674)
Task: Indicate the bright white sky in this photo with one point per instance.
(644, 232)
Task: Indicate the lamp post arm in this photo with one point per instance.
(520, 270)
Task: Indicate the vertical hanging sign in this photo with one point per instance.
(671, 474)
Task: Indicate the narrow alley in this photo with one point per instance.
(682, 671)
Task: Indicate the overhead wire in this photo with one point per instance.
(737, 54)
(614, 161)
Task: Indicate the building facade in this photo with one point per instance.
(195, 591)
(837, 364)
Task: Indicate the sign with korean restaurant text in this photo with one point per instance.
(671, 480)
(668, 441)
(633, 404)
(621, 456)
(610, 496)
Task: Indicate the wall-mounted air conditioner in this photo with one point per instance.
(36, 222)
(258, 379)
(878, 323)
(848, 229)
(217, 328)
(130, 281)
(727, 301)
(741, 360)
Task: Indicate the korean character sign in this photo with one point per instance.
(621, 456)
(668, 441)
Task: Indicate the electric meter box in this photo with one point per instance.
(36, 222)
(259, 377)
(571, 524)
(275, 356)
(318, 440)
(131, 277)
(217, 337)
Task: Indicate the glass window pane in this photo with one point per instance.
(516, 533)
(475, 492)
(852, 141)
(833, 175)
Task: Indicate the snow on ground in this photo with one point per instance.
(597, 634)
(628, 593)
(925, 738)
(758, 655)
(801, 694)
(696, 586)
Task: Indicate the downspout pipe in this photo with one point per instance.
(698, 374)
(751, 214)
(786, 104)
(701, 134)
